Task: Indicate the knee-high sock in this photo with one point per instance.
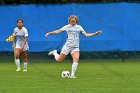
(18, 63)
(74, 68)
(25, 65)
(56, 55)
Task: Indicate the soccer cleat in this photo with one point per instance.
(72, 76)
(18, 69)
(52, 52)
(24, 70)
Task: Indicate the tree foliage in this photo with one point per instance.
(61, 1)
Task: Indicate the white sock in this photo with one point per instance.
(25, 65)
(18, 63)
(56, 55)
(74, 68)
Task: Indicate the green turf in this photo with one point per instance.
(92, 77)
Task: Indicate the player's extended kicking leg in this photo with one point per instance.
(24, 56)
(58, 58)
(75, 56)
(17, 53)
(64, 52)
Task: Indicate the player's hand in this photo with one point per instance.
(22, 48)
(99, 32)
(13, 46)
(47, 35)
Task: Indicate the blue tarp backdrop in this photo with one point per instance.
(119, 21)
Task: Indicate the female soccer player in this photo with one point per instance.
(72, 43)
(21, 38)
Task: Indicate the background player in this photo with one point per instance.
(21, 38)
(72, 42)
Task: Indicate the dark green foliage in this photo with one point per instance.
(60, 1)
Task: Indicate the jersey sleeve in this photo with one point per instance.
(64, 28)
(26, 32)
(82, 30)
(14, 33)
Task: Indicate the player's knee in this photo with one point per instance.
(75, 59)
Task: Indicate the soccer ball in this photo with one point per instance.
(65, 74)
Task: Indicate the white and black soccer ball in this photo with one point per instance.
(65, 74)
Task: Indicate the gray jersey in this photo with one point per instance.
(20, 36)
(73, 34)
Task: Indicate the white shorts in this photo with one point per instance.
(67, 49)
(26, 47)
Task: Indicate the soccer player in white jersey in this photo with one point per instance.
(21, 38)
(72, 43)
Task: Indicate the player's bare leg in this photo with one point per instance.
(58, 58)
(75, 57)
(17, 59)
(61, 57)
(24, 56)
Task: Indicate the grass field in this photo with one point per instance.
(92, 77)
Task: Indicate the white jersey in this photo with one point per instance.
(20, 36)
(73, 34)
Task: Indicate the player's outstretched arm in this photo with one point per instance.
(92, 34)
(53, 32)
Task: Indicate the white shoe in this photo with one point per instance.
(18, 69)
(72, 76)
(24, 70)
(52, 52)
